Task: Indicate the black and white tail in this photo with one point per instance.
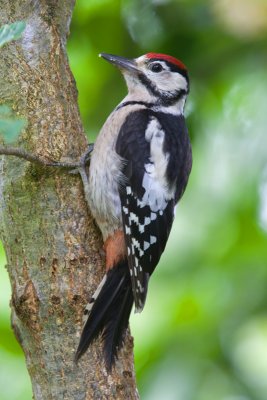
(108, 313)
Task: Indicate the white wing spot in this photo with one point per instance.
(134, 218)
(147, 220)
(140, 203)
(141, 228)
(128, 190)
(146, 245)
(136, 243)
(153, 216)
(153, 239)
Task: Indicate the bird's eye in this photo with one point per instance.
(157, 67)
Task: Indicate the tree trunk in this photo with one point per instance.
(53, 248)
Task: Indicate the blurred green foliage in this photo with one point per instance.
(11, 32)
(203, 332)
(10, 124)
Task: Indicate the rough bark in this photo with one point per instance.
(53, 248)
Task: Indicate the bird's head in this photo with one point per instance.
(153, 77)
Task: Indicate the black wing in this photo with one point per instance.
(147, 204)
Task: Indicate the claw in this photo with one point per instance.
(85, 158)
(74, 171)
(83, 171)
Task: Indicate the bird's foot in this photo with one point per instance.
(84, 161)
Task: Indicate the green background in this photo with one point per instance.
(203, 332)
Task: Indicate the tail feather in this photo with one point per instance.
(115, 329)
(110, 310)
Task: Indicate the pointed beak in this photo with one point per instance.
(120, 62)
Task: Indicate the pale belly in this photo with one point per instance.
(104, 195)
(105, 175)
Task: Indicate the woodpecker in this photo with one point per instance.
(139, 170)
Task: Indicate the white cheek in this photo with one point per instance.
(168, 81)
(181, 82)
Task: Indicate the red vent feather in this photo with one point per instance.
(164, 57)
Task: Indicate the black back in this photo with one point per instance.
(147, 231)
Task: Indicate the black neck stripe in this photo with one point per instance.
(163, 99)
(130, 103)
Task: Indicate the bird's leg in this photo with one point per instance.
(83, 162)
(86, 156)
(82, 170)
